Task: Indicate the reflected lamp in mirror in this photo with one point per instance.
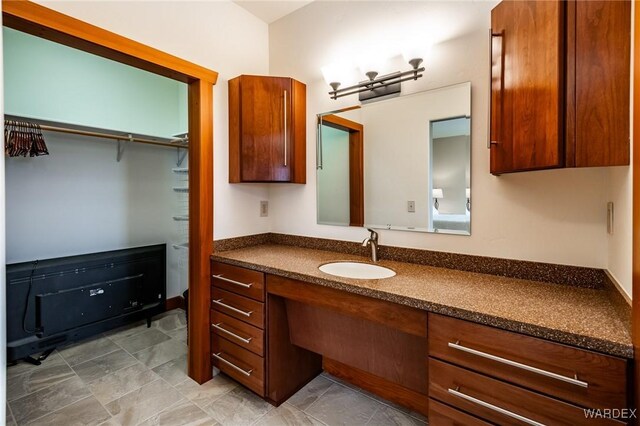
(437, 194)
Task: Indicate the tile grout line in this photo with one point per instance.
(322, 394)
(139, 363)
(310, 415)
(166, 408)
(73, 371)
(373, 415)
(11, 413)
(62, 408)
(383, 401)
(158, 377)
(24, 396)
(87, 385)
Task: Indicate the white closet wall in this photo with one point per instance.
(79, 199)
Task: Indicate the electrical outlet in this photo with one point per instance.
(610, 218)
(411, 206)
(264, 208)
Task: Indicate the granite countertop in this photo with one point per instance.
(576, 316)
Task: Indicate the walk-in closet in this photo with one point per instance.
(97, 189)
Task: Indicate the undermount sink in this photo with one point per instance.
(357, 270)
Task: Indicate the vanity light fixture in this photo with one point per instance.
(376, 86)
(437, 193)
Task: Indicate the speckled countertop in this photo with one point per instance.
(576, 316)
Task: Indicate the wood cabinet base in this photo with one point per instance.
(289, 367)
(418, 402)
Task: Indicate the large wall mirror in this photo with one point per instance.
(402, 163)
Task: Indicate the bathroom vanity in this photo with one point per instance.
(458, 347)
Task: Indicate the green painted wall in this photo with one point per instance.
(50, 81)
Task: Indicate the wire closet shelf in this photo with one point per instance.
(181, 142)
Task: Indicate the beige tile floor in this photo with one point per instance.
(137, 376)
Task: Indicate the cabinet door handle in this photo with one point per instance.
(285, 128)
(232, 365)
(494, 407)
(489, 124)
(240, 311)
(230, 333)
(573, 381)
(220, 277)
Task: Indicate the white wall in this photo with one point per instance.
(80, 200)
(551, 216)
(218, 35)
(621, 193)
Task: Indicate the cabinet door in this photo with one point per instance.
(527, 86)
(265, 128)
(602, 78)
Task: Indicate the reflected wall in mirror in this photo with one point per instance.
(401, 163)
(449, 152)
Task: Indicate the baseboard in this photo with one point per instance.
(174, 303)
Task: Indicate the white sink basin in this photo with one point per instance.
(360, 271)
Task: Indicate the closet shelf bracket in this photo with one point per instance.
(182, 153)
(121, 146)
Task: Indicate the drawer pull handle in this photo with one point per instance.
(232, 365)
(573, 381)
(230, 333)
(240, 311)
(220, 277)
(494, 407)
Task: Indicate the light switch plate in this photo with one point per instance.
(411, 206)
(264, 208)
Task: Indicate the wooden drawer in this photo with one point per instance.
(238, 280)
(443, 415)
(244, 366)
(499, 402)
(238, 332)
(601, 379)
(242, 308)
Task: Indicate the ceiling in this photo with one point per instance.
(270, 10)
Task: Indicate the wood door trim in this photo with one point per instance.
(356, 165)
(636, 212)
(46, 23)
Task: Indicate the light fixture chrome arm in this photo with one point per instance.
(383, 81)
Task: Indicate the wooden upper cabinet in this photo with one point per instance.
(560, 75)
(267, 129)
(526, 85)
(602, 80)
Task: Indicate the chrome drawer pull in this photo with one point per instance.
(494, 408)
(224, 330)
(220, 277)
(232, 365)
(573, 381)
(240, 311)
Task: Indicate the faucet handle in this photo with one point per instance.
(373, 234)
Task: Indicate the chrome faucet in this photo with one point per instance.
(372, 241)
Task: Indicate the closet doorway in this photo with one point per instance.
(42, 22)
